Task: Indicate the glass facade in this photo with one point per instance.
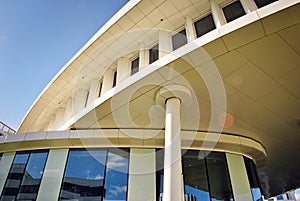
(204, 25)
(253, 179)
(153, 54)
(262, 3)
(206, 178)
(135, 66)
(95, 174)
(179, 39)
(102, 175)
(25, 175)
(233, 11)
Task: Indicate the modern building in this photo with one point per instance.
(170, 100)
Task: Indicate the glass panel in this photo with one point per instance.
(14, 178)
(218, 176)
(253, 179)
(262, 3)
(135, 66)
(179, 39)
(33, 175)
(116, 175)
(0, 156)
(195, 177)
(159, 173)
(204, 25)
(153, 54)
(233, 11)
(114, 79)
(84, 175)
(100, 87)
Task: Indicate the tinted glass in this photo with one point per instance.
(114, 79)
(233, 11)
(153, 54)
(179, 39)
(218, 176)
(0, 156)
(262, 3)
(33, 174)
(84, 175)
(25, 175)
(15, 176)
(135, 66)
(195, 177)
(253, 179)
(116, 175)
(159, 173)
(100, 88)
(204, 25)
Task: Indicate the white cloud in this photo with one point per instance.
(116, 190)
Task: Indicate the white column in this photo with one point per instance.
(59, 117)
(248, 5)
(123, 69)
(143, 56)
(190, 28)
(53, 174)
(51, 123)
(107, 80)
(79, 100)
(172, 162)
(93, 91)
(5, 163)
(69, 109)
(217, 14)
(239, 179)
(142, 175)
(165, 43)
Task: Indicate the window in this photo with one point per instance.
(153, 54)
(100, 87)
(233, 11)
(135, 66)
(262, 3)
(25, 175)
(159, 173)
(114, 79)
(253, 179)
(95, 174)
(84, 175)
(179, 39)
(116, 175)
(195, 176)
(0, 156)
(204, 25)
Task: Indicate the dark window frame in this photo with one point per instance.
(231, 14)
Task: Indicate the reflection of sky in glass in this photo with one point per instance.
(116, 177)
(256, 194)
(36, 163)
(200, 194)
(86, 164)
(21, 158)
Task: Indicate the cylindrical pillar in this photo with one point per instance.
(172, 162)
(217, 14)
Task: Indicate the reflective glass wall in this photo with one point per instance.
(206, 177)
(96, 175)
(25, 175)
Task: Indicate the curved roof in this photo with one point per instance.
(257, 56)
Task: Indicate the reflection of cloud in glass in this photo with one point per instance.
(97, 177)
(117, 190)
(116, 161)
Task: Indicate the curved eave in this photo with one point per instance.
(63, 83)
(56, 79)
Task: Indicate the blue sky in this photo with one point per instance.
(37, 37)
